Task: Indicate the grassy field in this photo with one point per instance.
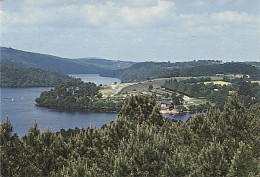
(217, 82)
(256, 82)
(143, 86)
(122, 90)
(113, 89)
(193, 101)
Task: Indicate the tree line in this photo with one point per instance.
(249, 92)
(77, 95)
(142, 143)
(149, 70)
(18, 76)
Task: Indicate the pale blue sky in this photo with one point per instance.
(136, 30)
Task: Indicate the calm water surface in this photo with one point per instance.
(96, 78)
(18, 104)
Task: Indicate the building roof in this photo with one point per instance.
(166, 102)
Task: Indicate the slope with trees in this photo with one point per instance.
(104, 63)
(142, 143)
(249, 92)
(148, 70)
(77, 95)
(58, 64)
(16, 76)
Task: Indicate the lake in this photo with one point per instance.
(18, 104)
(96, 78)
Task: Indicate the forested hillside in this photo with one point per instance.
(58, 64)
(145, 70)
(104, 63)
(142, 143)
(249, 93)
(209, 70)
(149, 70)
(77, 95)
(16, 76)
(127, 71)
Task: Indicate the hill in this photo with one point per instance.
(125, 70)
(148, 70)
(61, 65)
(17, 76)
(104, 63)
(209, 70)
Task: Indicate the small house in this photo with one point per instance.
(134, 93)
(166, 105)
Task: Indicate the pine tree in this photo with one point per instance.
(212, 162)
(11, 151)
(243, 163)
(176, 164)
(140, 108)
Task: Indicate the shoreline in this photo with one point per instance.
(78, 110)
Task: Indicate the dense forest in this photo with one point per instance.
(249, 93)
(16, 76)
(149, 70)
(77, 95)
(104, 63)
(146, 70)
(209, 70)
(61, 65)
(125, 70)
(142, 143)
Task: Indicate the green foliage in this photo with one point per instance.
(141, 71)
(11, 151)
(226, 79)
(249, 92)
(142, 108)
(211, 161)
(17, 76)
(243, 162)
(53, 63)
(150, 87)
(141, 143)
(77, 95)
(210, 70)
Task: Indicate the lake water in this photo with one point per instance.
(96, 78)
(18, 104)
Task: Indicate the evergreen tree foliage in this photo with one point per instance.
(212, 162)
(243, 162)
(77, 95)
(141, 143)
(142, 108)
(18, 76)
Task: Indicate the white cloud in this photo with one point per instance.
(198, 3)
(141, 3)
(91, 14)
(99, 27)
(232, 16)
(136, 16)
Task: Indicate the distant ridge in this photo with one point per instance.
(58, 64)
(18, 76)
(104, 63)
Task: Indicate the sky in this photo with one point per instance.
(134, 30)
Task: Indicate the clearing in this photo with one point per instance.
(217, 82)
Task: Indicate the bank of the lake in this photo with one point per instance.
(19, 105)
(96, 78)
